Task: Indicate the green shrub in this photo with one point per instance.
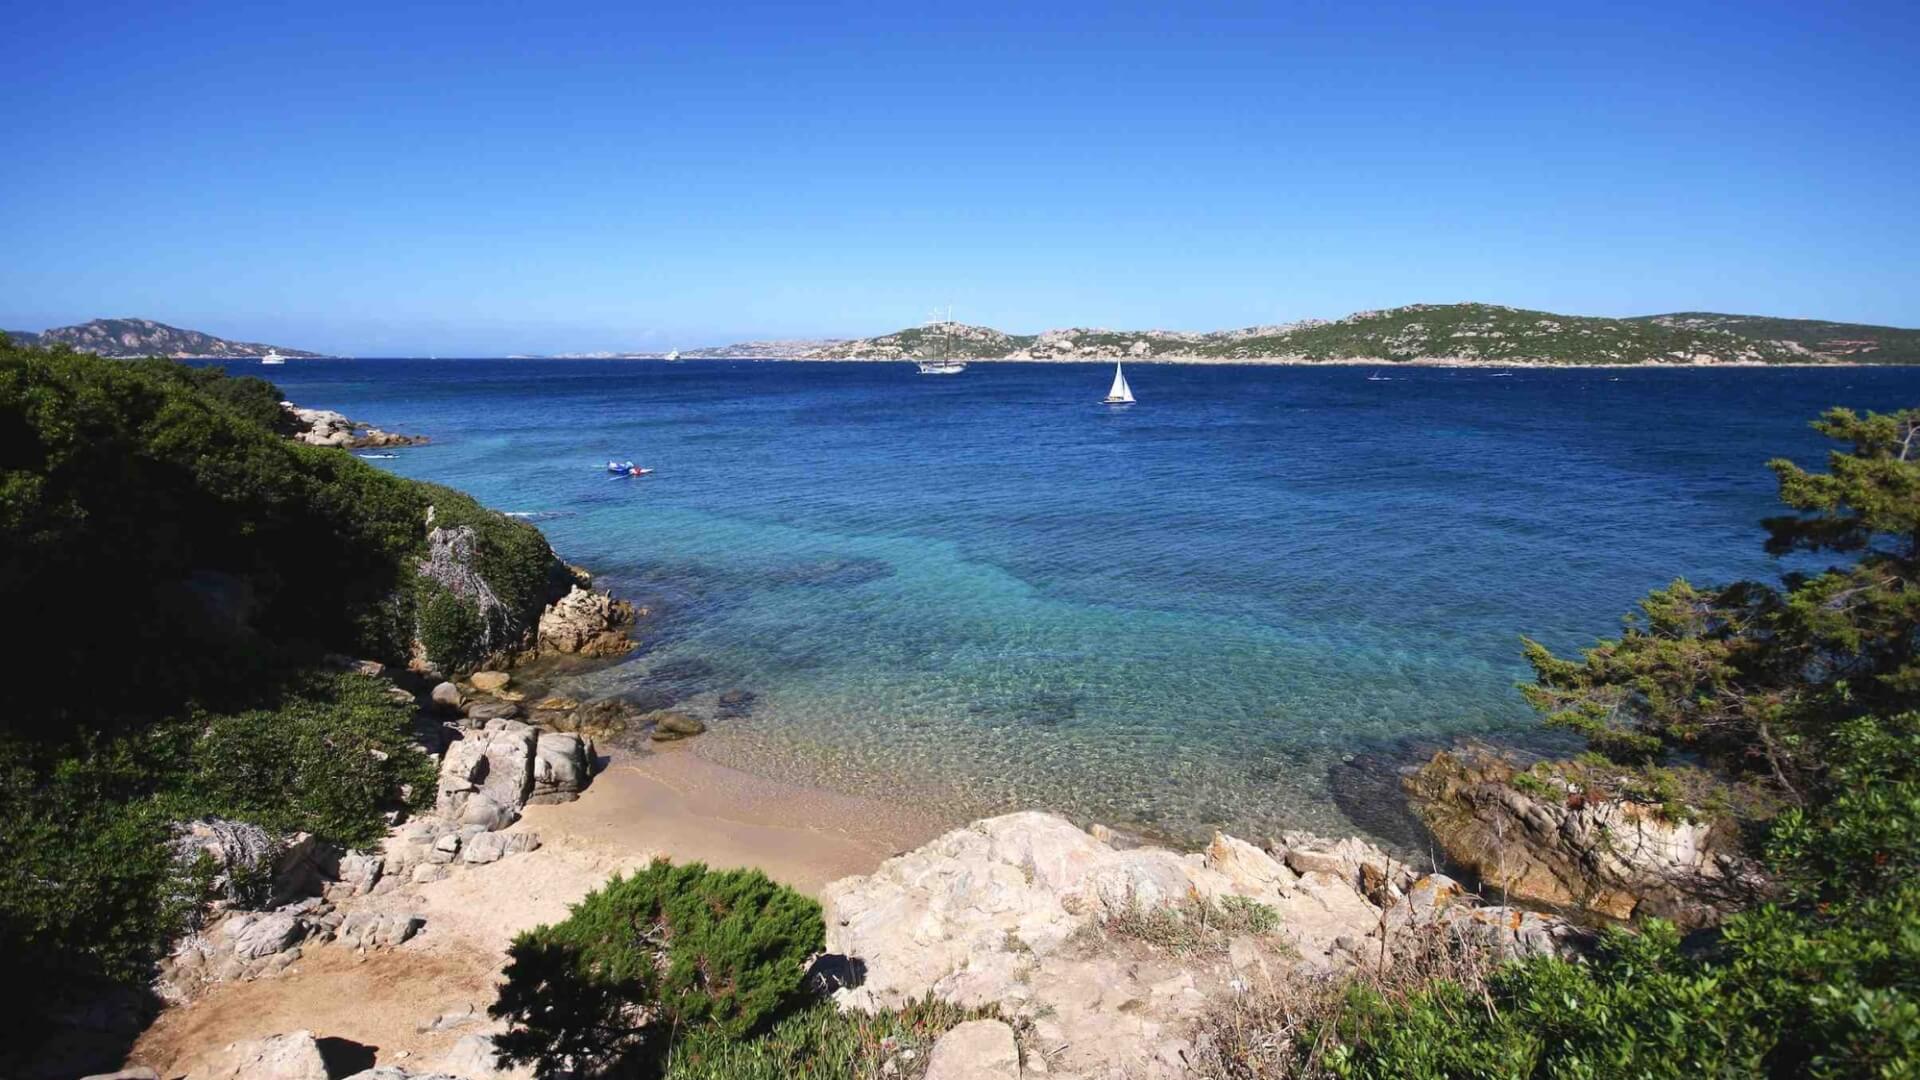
(648, 958)
(452, 631)
(327, 758)
(821, 1042)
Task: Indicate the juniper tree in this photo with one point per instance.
(1758, 677)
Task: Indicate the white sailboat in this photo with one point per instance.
(273, 357)
(946, 364)
(1121, 394)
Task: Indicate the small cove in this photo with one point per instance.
(1231, 605)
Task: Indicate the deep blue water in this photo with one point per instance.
(987, 591)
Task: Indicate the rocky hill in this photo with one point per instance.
(126, 338)
(1816, 337)
(1458, 333)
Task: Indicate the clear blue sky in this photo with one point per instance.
(482, 178)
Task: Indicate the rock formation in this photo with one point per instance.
(1028, 912)
(586, 623)
(324, 427)
(1552, 842)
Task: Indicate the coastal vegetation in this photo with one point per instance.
(184, 579)
(653, 957)
(1847, 341)
(1806, 688)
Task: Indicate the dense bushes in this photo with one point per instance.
(147, 486)
(649, 958)
(175, 568)
(87, 887)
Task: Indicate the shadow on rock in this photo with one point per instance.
(344, 1057)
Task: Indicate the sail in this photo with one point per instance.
(1121, 391)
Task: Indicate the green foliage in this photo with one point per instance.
(327, 758)
(821, 1042)
(1786, 994)
(87, 887)
(450, 629)
(650, 956)
(153, 486)
(1760, 678)
(1860, 832)
(87, 890)
(185, 565)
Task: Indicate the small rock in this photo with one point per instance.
(492, 710)
(485, 848)
(453, 1018)
(1301, 861)
(446, 697)
(669, 725)
(138, 1072)
(490, 681)
(976, 1050)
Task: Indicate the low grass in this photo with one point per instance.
(1197, 925)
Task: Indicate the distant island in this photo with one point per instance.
(1421, 333)
(1417, 334)
(128, 338)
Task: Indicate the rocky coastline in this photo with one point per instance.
(1092, 953)
(324, 427)
(1080, 941)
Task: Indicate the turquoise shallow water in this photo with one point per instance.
(985, 592)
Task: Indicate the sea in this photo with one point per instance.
(1244, 602)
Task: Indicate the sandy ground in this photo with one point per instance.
(672, 803)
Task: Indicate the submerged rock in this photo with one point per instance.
(669, 726)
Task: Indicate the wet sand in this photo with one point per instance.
(671, 803)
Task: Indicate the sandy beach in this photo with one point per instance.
(669, 803)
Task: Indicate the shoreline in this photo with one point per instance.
(1195, 361)
(663, 802)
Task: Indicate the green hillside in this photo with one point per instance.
(1463, 333)
(1835, 340)
(1488, 332)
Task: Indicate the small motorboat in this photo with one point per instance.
(377, 457)
(619, 466)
